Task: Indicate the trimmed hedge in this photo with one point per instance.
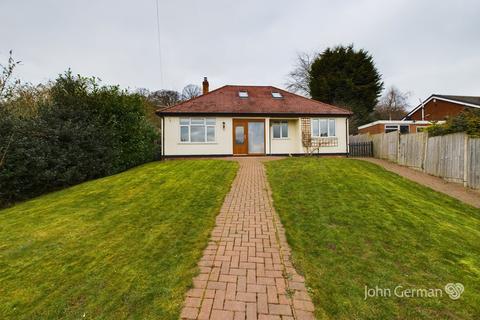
(467, 121)
(82, 131)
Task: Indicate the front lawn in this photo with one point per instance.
(353, 224)
(120, 247)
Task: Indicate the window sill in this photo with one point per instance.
(198, 143)
(324, 137)
(280, 138)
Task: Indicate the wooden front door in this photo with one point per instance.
(240, 137)
(248, 136)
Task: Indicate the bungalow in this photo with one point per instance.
(252, 120)
(436, 108)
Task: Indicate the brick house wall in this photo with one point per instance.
(438, 110)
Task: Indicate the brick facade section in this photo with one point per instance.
(246, 271)
(438, 110)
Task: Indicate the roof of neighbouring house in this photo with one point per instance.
(461, 99)
(468, 101)
(259, 100)
(395, 122)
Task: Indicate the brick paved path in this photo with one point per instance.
(245, 272)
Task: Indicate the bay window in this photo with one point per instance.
(197, 129)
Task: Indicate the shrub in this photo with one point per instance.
(467, 121)
(82, 131)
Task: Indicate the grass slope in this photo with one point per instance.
(124, 246)
(352, 224)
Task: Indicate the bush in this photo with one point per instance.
(468, 121)
(82, 131)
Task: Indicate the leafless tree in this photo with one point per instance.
(299, 77)
(7, 87)
(393, 105)
(7, 82)
(191, 91)
(164, 98)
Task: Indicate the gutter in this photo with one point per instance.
(242, 114)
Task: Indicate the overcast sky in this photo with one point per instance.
(419, 46)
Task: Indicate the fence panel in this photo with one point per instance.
(391, 140)
(385, 145)
(473, 163)
(361, 149)
(445, 157)
(411, 149)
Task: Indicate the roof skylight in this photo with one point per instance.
(277, 95)
(243, 94)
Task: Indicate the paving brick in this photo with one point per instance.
(272, 294)
(209, 293)
(217, 285)
(279, 309)
(260, 288)
(234, 305)
(193, 302)
(221, 315)
(268, 317)
(189, 313)
(246, 296)
(251, 311)
(231, 291)
(262, 303)
(205, 309)
(265, 280)
(219, 299)
(195, 292)
(227, 278)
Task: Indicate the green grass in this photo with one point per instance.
(120, 247)
(353, 224)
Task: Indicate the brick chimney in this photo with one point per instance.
(205, 85)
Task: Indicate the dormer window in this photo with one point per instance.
(277, 95)
(243, 94)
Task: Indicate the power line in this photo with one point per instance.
(159, 46)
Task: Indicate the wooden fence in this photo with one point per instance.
(454, 157)
(360, 149)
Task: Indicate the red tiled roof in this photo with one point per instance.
(225, 100)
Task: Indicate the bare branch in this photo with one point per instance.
(393, 105)
(191, 91)
(299, 77)
(7, 82)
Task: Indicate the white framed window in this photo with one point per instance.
(391, 128)
(197, 130)
(280, 129)
(243, 94)
(397, 127)
(277, 95)
(323, 128)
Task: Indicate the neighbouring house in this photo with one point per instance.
(386, 126)
(440, 107)
(253, 120)
(437, 108)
